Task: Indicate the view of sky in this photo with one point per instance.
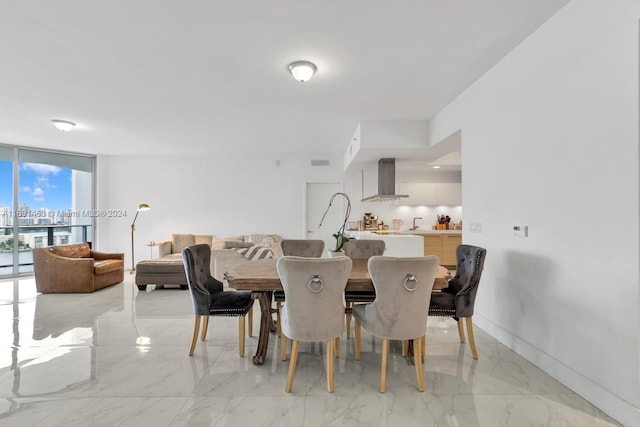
(41, 186)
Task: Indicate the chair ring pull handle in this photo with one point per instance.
(315, 284)
(410, 277)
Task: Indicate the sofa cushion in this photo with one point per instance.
(218, 242)
(181, 241)
(256, 252)
(269, 240)
(80, 250)
(203, 239)
(107, 266)
(170, 264)
(233, 244)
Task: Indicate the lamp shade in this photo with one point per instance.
(302, 70)
(143, 207)
(63, 125)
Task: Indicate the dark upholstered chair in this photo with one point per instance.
(208, 296)
(458, 298)
(309, 248)
(360, 249)
(399, 312)
(313, 309)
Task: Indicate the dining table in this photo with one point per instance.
(261, 278)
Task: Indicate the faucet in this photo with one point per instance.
(415, 227)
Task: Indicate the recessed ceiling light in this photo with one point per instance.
(63, 125)
(302, 70)
(436, 167)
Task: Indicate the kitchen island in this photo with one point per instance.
(442, 243)
(399, 245)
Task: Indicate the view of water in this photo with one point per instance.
(6, 262)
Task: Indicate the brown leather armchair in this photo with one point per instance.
(76, 268)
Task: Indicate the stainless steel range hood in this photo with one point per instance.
(386, 183)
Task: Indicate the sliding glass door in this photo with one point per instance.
(48, 201)
(6, 211)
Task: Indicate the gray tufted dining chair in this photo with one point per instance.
(208, 296)
(310, 248)
(399, 312)
(360, 249)
(458, 298)
(313, 308)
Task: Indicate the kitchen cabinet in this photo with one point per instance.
(443, 246)
(431, 193)
(433, 245)
(420, 193)
(449, 244)
(449, 193)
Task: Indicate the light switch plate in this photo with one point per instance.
(520, 230)
(475, 227)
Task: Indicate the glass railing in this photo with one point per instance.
(37, 236)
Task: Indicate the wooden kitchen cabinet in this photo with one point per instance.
(449, 244)
(443, 246)
(433, 245)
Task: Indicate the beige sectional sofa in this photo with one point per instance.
(224, 250)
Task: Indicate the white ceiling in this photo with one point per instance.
(161, 76)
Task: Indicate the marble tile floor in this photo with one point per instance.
(118, 357)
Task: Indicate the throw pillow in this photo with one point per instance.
(233, 244)
(218, 242)
(256, 252)
(199, 239)
(181, 241)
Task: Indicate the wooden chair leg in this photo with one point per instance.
(405, 348)
(348, 307)
(337, 346)
(283, 346)
(383, 368)
(292, 366)
(251, 322)
(417, 358)
(423, 339)
(460, 331)
(196, 329)
(358, 337)
(205, 327)
(330, 351)
(278, 307)
(241, 334)
(472, 341)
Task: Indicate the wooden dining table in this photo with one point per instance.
(261, 278)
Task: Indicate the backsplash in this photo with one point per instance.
(387, 212)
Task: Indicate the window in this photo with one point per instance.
(46, 198)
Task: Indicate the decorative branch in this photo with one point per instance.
(340, 237)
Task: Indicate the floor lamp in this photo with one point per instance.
(142, 207)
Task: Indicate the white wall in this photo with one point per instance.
(225, 196)
(550, 140)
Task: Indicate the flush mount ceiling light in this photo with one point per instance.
(302, 70)
(63, 125)
(436, 167)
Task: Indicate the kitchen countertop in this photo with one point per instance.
(419, 231)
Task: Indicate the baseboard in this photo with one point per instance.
(601, 398)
